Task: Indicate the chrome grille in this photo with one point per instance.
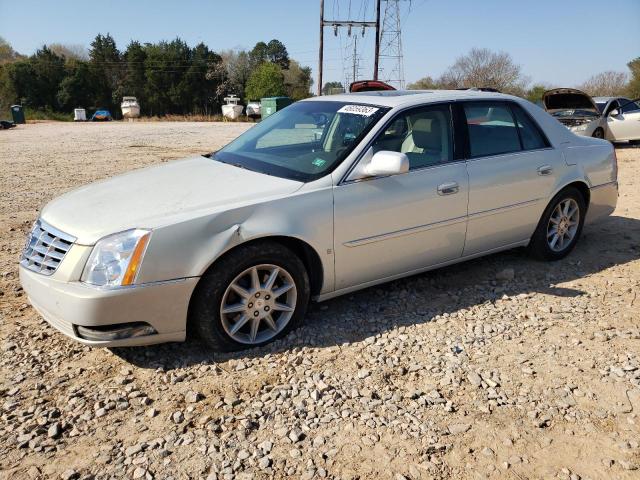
(45, 248)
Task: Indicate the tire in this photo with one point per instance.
(598, 133)
(541, 242)
(216, 328)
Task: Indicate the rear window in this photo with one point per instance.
(492, 129)
(530, 134)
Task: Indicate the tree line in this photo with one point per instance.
(482, 67)
(167, 77)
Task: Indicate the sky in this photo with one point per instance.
(558, 42)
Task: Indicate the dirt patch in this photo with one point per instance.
(455, 373)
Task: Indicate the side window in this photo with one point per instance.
(529, 132)
(492, 130)
(630, 106)
(423, 134)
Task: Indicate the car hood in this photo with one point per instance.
(567, 99)
(161, 195)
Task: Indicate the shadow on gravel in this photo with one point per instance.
(420, 298)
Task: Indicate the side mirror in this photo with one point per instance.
(614, 113)
(385, 163)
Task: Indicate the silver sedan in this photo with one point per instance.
(327, 196)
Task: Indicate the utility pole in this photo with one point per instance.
(321, 47)
(355, 57)
(377, 52)
(349, 24)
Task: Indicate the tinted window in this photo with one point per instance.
(629, 106)
(529, 131)
(491, 127)
(423, 134)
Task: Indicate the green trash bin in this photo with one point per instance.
(270, 105)
(17, 113)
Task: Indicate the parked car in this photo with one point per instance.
(623, 118)
(576, 110)
(369, 86)
(233, 244)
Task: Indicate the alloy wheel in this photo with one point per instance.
(563, 224)
(258, 304)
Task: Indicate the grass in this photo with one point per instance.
(193, 118)
(35, 115)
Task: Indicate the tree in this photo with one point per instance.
(277, 53)
(297, 81)
(534, 94)
(483, 68)
(633, 89)
(71, 51)
(7, 53)
(200, 87)
(266, 81)
(135, 78)
(166, 89)
(259, 54)
(425, 83)
(106, 69)
(234, 74)
(606, 84)
(76, 89)
(332, 87)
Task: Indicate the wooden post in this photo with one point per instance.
(320, 55)
(377, 52)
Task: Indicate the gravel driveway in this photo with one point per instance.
(502, 367)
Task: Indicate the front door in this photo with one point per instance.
(389, 226)
(625, 125)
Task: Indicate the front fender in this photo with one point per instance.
(189, 248)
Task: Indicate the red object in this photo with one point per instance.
(369, 86)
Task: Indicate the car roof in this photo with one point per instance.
(607, 99)
(395, 98)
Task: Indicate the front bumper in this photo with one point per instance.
(66, 305)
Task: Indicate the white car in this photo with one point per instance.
(576, 110)
(327, 196)
(623, 118)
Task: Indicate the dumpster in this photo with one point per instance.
(17, 113)
(271, 105)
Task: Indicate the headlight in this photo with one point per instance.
(580, 128)
(115, 260)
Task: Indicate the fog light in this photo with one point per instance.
(115, 332)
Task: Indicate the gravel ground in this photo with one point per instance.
(502, 367)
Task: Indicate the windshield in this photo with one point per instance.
(304, 141)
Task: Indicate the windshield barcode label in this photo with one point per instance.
(358, 110)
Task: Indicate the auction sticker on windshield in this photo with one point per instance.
(359, 110)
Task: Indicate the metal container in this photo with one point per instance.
(270, 105)
(17, 113)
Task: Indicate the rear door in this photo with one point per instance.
(512, 173)
(625, 125)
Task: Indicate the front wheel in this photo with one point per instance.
(560, 226)
(598, 133)
(252, 296)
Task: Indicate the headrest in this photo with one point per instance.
(427, 133)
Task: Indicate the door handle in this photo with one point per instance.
(545, 170)
(448, 188)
